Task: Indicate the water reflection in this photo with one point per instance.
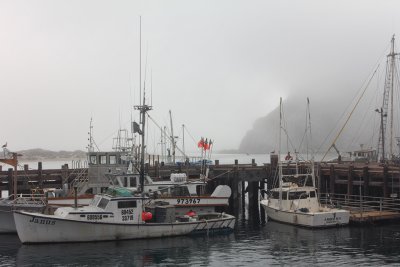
(174, 251)
(250, 245)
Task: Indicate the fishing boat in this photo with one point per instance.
(296, 201)
(179, 191)
(117, 214)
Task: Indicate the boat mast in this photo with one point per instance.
(388, 90)
(279, 155)
(183, 142)
(392, 56)
(143, 108)
(172, 138)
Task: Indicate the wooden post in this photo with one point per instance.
(366, 180)
(385, 181)
(26, 167)
(254, 213)
(216, 162)
(273, 171)
(350, 180)
(243, 198)
(40, 174)
(253, 162)
(10, 181)
(262, 212)
(1, 168)
(319, 180)
(332, 179)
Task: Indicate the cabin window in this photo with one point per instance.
(94, 201)
(127, 204)
(125, 181)
(180, 191)
(284, 195)
(200, 189)
(103, 159)
(312, 193)
(163, 190)
(113, 159)
(93, 159)
(103, 203)
(275, 194)
(298, 195)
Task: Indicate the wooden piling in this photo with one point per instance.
(40, 174)
(332, 179)
(262, 212)
(366, 180)
(350, 180)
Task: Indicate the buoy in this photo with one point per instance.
(146, 216)
(191, 213)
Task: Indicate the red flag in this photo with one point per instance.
(201, 143)
(206, 145)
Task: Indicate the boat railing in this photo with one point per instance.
(27, 199)
(361, 203)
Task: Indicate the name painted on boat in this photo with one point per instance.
(94, 217)
(188, 201)
(127, 214)
(42, 221)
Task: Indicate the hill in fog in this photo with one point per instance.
(327, 117)
(42, 154)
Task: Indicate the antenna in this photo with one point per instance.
(140, 60)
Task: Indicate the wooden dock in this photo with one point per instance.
(250, 180)
(373, 216)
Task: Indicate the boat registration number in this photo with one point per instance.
(127, 215)
(187, 201)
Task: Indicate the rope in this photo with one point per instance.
(351, 113)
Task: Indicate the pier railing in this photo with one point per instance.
(361, 203)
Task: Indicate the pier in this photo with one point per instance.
(369, 190)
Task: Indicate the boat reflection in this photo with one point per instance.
(144, 252)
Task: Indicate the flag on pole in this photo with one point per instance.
(200, 144)
(206, 144)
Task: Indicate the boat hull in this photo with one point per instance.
(7, 223)
(36, 228)
(332, 218)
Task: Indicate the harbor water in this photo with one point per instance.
(250, 245)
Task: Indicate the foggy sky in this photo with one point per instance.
(218, 65)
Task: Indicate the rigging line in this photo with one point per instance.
(169, 137)
(187, 131)
(351, 113)
(382, 55)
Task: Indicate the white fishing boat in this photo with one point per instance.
(299, 205)
(185, 194)
(116, 215)
(296, 201)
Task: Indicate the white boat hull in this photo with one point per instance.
(34, 228)
(321, 219)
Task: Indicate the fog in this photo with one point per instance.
(219, 66)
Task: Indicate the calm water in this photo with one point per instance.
(271, 244)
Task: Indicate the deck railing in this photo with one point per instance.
(361, 203)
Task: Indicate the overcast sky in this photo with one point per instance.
(218, 65)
